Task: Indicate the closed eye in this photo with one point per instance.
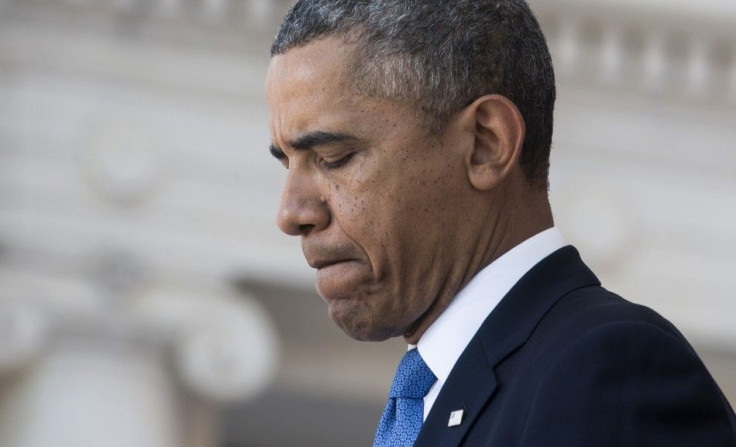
(279, 155)
(332, 165)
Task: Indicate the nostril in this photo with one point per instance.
(305, 228)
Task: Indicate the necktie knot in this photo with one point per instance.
(413, 377)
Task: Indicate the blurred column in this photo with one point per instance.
(82, 393)
(568, 46)
(168, 7)
(121, 221)
(655, 61)
(147, 368)
(698, 66)
(215, 9)
(260, 10)
(612, 54)
(732, 77)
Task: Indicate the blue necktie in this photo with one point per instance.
(402, 418)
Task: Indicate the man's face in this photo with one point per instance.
(374, 198)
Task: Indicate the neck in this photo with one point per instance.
(512, 219)
(514, 226)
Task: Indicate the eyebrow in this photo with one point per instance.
(312, 140)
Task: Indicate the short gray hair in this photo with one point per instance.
(441, 55)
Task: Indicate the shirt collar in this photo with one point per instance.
(444, 341)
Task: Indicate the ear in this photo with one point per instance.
(499, 136)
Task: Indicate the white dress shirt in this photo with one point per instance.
(447, 338)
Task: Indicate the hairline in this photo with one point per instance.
(431, 121)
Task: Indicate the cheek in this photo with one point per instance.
(347, 205)
(393, 206)
(366, 213)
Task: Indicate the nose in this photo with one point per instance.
(302, 207)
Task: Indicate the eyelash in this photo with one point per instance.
(332, 165)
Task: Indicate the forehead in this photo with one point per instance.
(311, 89)
(308, 79)
(308, 64)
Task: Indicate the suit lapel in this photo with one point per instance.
(467, 389)
(472, 382)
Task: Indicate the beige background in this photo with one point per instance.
(135, 182)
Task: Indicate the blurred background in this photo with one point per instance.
(147, 298)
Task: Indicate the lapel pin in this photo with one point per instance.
(456, 418)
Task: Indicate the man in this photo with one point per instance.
(416, 135)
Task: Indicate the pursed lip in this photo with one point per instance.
(321, 254)
(321, 263)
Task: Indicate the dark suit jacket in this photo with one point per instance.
(563, 362)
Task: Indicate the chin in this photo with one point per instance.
(360, 326)
(366, 336)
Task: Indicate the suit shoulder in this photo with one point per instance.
(617, 361)
(592, 308)
(634, 383)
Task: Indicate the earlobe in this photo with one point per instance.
(499, 137)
